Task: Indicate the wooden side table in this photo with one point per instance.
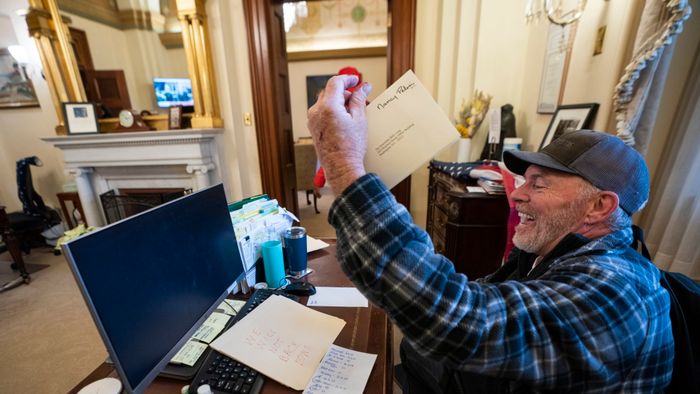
(73, 198)
(470, 229)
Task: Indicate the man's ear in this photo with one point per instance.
(604, 204)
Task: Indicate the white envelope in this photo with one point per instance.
(406, 129)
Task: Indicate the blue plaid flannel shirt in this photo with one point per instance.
(591, 323)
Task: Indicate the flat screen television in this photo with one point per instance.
(173, 91)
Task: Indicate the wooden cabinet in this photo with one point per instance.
(467, 228)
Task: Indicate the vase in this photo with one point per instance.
(464, 149)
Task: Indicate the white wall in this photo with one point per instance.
(21, 129)
(238, 145)
(138, 52)
(373, 70)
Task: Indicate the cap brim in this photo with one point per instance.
(518, 161)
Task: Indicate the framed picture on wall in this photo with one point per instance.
(314, 85)
(555, 67)
(16, 89)
(80, 118)
(569, 118)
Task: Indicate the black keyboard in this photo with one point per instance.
(226, 375)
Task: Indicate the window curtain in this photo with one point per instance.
(638, 93)
(672, 219)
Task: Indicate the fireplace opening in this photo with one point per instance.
(123, 203)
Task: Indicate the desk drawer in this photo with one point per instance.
(439, 222)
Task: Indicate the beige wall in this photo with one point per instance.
(138, 52)
(21, 129)
(507, 64)
(238, 145)
(373, 70)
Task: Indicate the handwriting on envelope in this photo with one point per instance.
(282, 339)
(406, 128)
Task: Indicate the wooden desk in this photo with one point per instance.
(366, 330)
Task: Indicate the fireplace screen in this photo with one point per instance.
(132, 201)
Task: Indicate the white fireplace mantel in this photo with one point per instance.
(154, 159)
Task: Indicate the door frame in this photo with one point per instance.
(400, 58)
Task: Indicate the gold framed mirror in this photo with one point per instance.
(57, 50)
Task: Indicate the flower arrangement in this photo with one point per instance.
(471, 114)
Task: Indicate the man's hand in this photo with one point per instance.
(339, 128)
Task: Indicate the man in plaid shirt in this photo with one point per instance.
(573, 308)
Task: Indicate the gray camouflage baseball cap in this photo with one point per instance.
(600, 158)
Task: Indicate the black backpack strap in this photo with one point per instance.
(638, 240)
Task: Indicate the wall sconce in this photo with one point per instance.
(534, 9)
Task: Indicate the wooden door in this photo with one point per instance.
(400, 58)
(270, 81)
(108, 89)
(268, 62)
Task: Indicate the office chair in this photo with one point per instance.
(21, 231)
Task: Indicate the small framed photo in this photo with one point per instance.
(175, 117)
(569, 118)
(80, 118)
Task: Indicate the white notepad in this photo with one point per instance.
(281, 339)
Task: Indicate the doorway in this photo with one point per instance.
(270, 80)
(323, 39)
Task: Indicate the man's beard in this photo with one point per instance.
(549, 226)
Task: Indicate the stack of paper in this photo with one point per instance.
(255, 221)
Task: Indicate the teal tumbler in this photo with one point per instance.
(274, 264)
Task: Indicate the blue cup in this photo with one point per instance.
(295, 246)
(274, 264)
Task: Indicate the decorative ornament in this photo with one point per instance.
(358, 14)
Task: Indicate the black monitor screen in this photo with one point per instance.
(150, 279)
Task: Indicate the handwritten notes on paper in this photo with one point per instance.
(406, 128)
(282, 339)
(190, 353)
(231, 307)
(211, 327)
(341, 371)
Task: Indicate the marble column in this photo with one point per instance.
(201, 174)
(83, 180)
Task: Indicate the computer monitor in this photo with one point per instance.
(151, 279)
(173, 91)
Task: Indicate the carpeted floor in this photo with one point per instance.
(47, 338)
(316, 224)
